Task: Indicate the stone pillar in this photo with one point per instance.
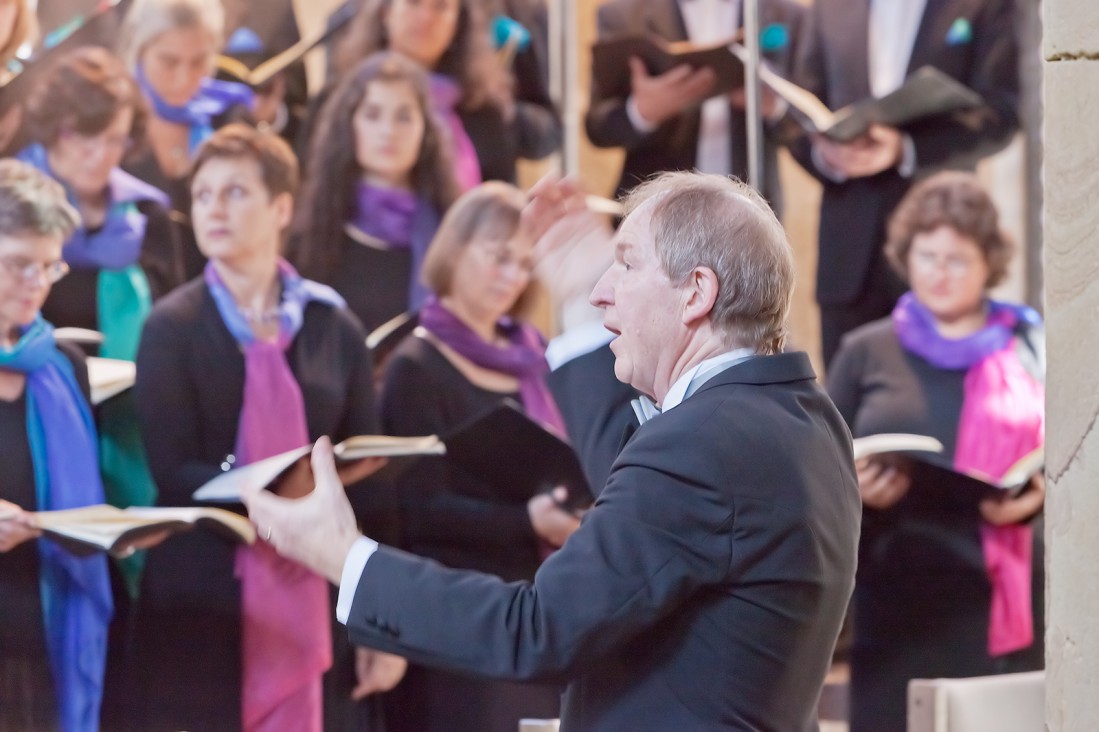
(1070, 55)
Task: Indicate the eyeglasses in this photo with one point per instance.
(501, 256)
(952, 263)
(30, 272)
(91, 143)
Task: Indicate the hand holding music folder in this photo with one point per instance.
(611, 57)
(926, 456)
(106, 528)
(927, 93)
(502, 446)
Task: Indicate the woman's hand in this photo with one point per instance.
(550, 522)
(376, 671)
(881, 485)
(1005, 509)
(16, 526)
(145, 542)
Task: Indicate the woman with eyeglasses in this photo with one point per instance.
(470, 352)
(84, 116)
(170, 47)
(949, 581)
(56, 607)
(493, 116)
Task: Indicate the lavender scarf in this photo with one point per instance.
(524, 357)
(402, 220)
(213, 97)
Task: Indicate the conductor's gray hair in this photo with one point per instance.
(718, 222)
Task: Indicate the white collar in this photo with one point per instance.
(691, 381)
(575, 342)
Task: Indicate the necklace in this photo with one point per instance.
(266, 316)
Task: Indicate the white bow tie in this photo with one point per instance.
(644, 409)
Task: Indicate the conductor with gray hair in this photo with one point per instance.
(706, 586)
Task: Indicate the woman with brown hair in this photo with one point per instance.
(378, 181)
(490, 125)
(470, 353)
(84, 116)
(948, 574)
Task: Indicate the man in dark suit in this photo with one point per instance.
(855, 48)
(705, 588)
(672, 121)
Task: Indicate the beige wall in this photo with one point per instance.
(1071, 230)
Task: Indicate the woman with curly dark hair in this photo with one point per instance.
(490, 124)
(949, 579)
(379, 179)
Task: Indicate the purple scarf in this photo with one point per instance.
(1002, 419)
(524, 357)
(915, 328)
(213, 97)
(402, 220)
(445, 95)
(286, 643)
(117, 244)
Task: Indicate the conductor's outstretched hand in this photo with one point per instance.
(316, 530)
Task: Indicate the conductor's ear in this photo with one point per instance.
(701, 295)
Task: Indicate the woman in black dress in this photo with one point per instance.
(468, 355)
(949, 581)
(491, 125)
(55, 607)
(378, 180)
(249, 361)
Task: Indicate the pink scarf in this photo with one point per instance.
(286, 645)
(1002, 420)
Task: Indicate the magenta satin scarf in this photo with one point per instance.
(1002, 420)
(286, 641)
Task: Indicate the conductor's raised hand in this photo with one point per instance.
(659, 98)
(316, 530)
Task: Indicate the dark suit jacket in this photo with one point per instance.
(596, 408)
(704, 590)
(674, 145)
(832, 63)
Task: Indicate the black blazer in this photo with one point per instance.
(596, 408)
(704, 590)
(674, 145)
(832, 63)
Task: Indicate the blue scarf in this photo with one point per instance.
(214, 97)
(915, 328)
(76, 593)
(297, 292)
(402, 220)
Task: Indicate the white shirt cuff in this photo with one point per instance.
(353, 567)
(907, 166)
(639, 123)
(833, 174)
